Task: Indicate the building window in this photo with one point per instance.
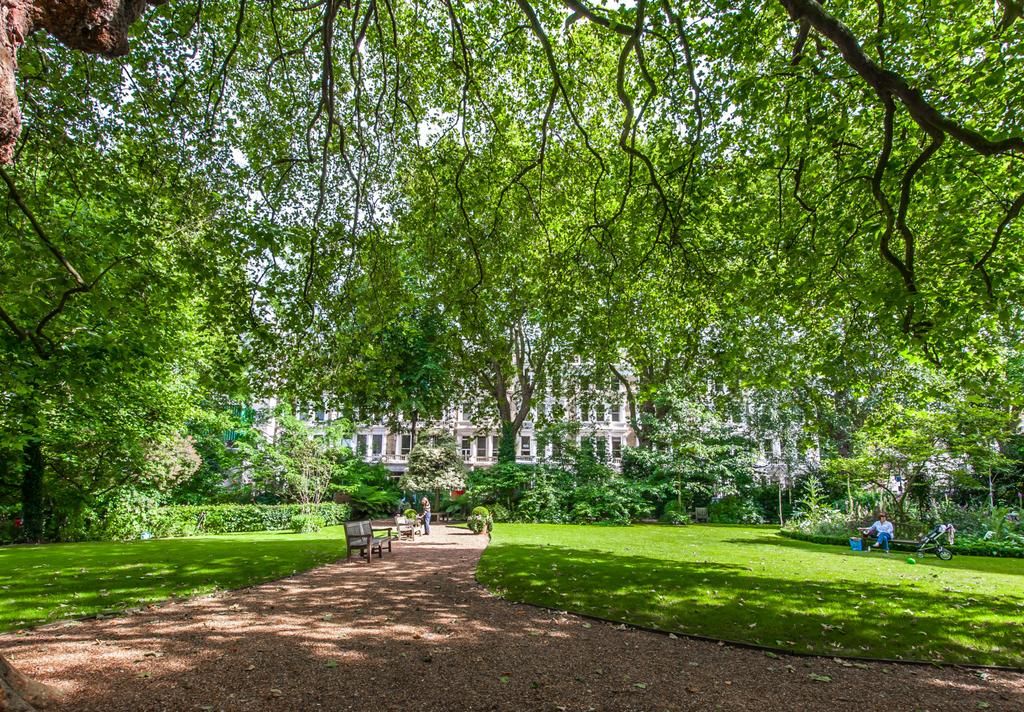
(524, 446)
(406, 444)
(556, 449)
(467, 447)
(601, 448)
(616, 412)
(495, 446)
(321, 416)
(378, 444)
(481, 447)
(362, 445)
(600, 411)
(616, 449)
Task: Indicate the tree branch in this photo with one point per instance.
(38, 229)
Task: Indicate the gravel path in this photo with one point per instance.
(415, 632)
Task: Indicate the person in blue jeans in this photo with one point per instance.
(883, 530)
(426, 515)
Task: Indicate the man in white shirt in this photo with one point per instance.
(882, 529)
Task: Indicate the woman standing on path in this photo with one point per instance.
(426, 515)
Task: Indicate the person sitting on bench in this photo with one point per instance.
(882, 529)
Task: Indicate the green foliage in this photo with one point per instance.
(480, 520)
(370, 488)
(675, 513)
(734, 509)
(307, 523)
(410, 514)
(132, 519)
(503, 483)
(615, 501)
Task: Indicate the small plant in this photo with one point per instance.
(307, 523)
(480, 520)
(410, 513)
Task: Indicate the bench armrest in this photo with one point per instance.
(382, 529)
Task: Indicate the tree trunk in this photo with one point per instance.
(781, 521)
(32, 491)
(19, 694)
(507, 443)
(991, 491)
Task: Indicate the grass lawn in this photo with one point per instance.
(749, 584)
(54, 581)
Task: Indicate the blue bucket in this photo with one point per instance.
(856, 544)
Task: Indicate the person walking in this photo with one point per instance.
(426, 515)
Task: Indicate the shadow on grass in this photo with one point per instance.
(836, 617)
(53, 582)
(376, 636)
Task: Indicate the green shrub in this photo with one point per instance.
(674, 513)
(479, 523)
(734, 510)
(130, 521)
(613, 501)
(307, 523)
(410, 513)
(372, 502)
(482, 511)
(500, 513)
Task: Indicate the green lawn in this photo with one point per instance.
(55, 581)
(750, 584)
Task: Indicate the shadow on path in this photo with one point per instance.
(415, 631)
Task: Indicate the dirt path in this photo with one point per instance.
(415, 632)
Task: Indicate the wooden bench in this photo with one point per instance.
(360, 535)
(700, 514)
(406, 528)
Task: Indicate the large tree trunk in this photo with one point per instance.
(32, 491)
(19, 694)
(93, 26)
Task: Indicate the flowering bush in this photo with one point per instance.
(480, 520)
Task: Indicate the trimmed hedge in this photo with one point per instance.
(307, 523)
(193, 519)
(963, 546)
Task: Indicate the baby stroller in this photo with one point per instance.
(931, 541)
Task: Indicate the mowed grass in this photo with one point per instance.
(750, 584)
(55, 581)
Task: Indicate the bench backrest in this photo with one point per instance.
(700, 512)
(357, 531)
